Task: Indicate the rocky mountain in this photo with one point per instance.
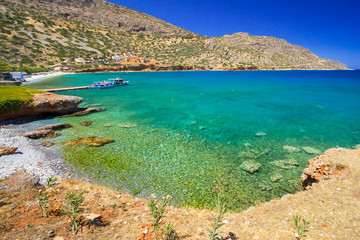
(47, 32)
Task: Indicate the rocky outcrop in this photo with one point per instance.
(7, 150)
(322, 168)
(45, 103)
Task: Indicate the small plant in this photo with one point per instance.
(157, 214)
(300, 227)
(72, 209)
(217, 220)
(44, 196)
(51, 181)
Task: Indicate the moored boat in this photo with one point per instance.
(118, 81)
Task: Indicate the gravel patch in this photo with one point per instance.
(34, 158)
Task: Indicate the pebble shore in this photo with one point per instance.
(31, 156)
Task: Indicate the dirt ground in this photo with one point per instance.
(331, 206)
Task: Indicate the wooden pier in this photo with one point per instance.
(65, 89)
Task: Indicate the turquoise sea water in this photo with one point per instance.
(194, 130)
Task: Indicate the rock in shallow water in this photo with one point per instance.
(91, 141)
(47, 144)
(260, 134)
(55, 127)
(276, 177)
(311, 150)
(286, 164)
(250, 166)
(128, 125)
(291, 149)
(86, 123)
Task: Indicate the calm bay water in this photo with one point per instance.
(194, 130)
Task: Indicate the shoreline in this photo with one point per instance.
(31, 155)
(42, 76)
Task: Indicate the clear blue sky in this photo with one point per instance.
(330, 29)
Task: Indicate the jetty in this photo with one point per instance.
(65, 89)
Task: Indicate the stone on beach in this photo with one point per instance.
(21, 180)
(291, 149)
(311, 150)
(37, 134)
(286, 164)
(90, 141)
(7, 150)
(250, 166)
(55, 127)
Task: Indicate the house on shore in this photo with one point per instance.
(11, 78)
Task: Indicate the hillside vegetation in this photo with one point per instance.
(43, 33)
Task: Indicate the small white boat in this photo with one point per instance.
(118, 81)
(109, 83)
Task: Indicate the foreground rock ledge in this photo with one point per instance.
(45, 103)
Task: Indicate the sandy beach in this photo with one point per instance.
(42, 76)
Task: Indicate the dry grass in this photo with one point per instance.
(332, 207)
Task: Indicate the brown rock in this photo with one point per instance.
(21, 180)
(86, 123)
(82, 112)
(7, 150)
(41, 134)
(90, 141)
(47, 144)
(321, 168)
(55, 127)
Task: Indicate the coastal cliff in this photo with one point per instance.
(43, 104)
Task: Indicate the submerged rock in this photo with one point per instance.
(311, 150)
(128, 125)
(91, 141)
(286, 164)
(250, 166)
(253, 154)
(357, 146)
(7, 150)
(37, 134)
(201, 128)
(86, 123)
(108, 125)
(291, 149)
(265, 187)
(55, 127)
(260, 134)
(47, 144)
(276, 177)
